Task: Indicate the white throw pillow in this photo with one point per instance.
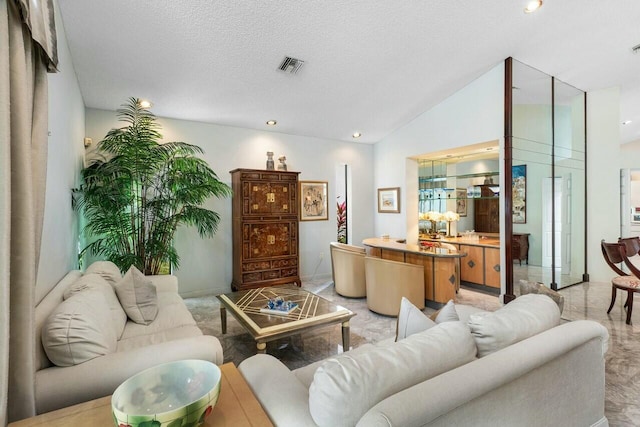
(138, 296)
(448, 313)
(411, 320)
(98, 283)
(106, 269)
(522, 318)
(347, 386)
(79, 329)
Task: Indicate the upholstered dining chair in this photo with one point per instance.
(389, 281)
(615, 254)
(347, 269)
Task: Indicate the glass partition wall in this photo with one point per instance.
(545, 150)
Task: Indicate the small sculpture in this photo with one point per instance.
(270, 164)
(282, 166)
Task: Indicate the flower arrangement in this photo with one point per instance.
(434, 217)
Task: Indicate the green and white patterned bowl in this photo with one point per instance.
(175, 394)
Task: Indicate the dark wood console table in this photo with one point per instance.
(520, 247)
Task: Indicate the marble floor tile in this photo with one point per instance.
(583, 301)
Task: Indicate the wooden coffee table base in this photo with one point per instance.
(236, 407)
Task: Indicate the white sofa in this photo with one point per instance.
(434, 377)
(172, 335)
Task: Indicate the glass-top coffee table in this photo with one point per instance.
(312, 312)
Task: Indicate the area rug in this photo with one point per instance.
(310, 346)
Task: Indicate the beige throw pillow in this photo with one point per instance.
(447, 313)
(411, 320)
(138, 297)
(522, 318)
(98, 283)
(79, 329)
(345, 387)
(106, 269)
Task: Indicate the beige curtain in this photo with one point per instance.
(27, 51)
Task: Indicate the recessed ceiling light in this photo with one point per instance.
(626, 122)
(532, 6)
(145, 104)
(271, 122)
(489, 148)
(356, 135)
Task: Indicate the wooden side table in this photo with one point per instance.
(236, 407)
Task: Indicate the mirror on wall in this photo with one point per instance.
(465, 182)
(548, 179)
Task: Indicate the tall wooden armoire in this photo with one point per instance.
(265, 228)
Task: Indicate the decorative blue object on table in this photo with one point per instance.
(279, 306)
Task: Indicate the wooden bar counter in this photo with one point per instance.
(441, 266)
(481, 268)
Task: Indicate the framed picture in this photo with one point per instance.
(519, 194)
(389, 200)
(313, 201)
(461, 201)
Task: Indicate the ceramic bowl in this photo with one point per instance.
(175, 394)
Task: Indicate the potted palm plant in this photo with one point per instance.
(137, 191)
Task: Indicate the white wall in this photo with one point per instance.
(604, 161)
(472, 115)
(206, 264)
(58, 253)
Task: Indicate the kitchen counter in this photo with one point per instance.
(490, 242)
(394, 245)
(481, 268)
(441, 266)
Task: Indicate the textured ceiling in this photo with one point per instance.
(370, 66)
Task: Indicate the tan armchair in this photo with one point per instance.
(389, 281)
(347, 269)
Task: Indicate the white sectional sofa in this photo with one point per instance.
(532, 371)
(115, 346)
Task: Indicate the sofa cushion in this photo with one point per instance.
(138, 296)
(106, 269)
(174, 321)
(347, 386)
(447, 313)
(411, 320)
(97, 282)
(523, 317)
(79, 329)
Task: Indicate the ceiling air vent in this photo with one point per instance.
(290, 65)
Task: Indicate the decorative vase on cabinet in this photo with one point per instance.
(265, 228)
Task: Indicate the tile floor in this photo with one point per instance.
(584, 301)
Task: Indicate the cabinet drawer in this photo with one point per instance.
(271, 274)
(289, 272)
(252, 277)
(254, 266)
(288, 262)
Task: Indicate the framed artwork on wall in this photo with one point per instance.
(313, 201)
(519, 194)
(461, 201)
(389, 200)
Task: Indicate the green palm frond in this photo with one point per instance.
(137, 192)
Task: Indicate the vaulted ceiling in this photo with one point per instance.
(369, 66)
